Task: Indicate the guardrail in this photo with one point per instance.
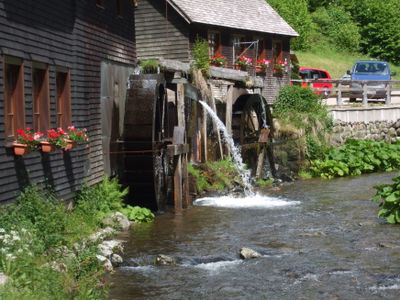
(366, 89)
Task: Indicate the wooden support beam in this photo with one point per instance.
(178, 185)
(175, 150)
(260, 162)
(228, 114)
(180, 104)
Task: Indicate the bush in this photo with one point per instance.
(388, 197)
(201, 56)
(40, 212)
(31, 232)
(302, 108)
(149, 66)
(216, 175)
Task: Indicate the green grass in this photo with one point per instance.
(335, 62)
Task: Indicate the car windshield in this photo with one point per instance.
(371, 68)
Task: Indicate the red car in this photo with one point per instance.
(320, 88)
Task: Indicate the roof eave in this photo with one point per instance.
(179, 11)
(292, 35)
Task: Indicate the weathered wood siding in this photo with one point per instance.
(160, 31)
(73, 34)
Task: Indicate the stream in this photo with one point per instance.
(318, 239)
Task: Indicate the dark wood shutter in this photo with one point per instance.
(41, 99)
(63, 83)
(14, 97)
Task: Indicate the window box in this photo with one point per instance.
(20, 149)
(47, 147)
(70, 145)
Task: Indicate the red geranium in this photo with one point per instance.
(77, 135)
(57, 137)
(28, 137)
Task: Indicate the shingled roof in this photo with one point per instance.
(254, 15)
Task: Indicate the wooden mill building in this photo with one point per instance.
(75, 63)
(60, 62)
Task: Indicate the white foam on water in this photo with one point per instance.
(256, 201)
(383, 288)
(217, 266)
(138, 268)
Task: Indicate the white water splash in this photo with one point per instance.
(255, 201)
(214, 267)
(235, 151)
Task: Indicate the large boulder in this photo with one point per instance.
(247, 253)
(117, 220)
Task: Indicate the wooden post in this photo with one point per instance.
(260, 162)
(365, 94)
(263, 141)
(388, 99)
(180, 104)
(228, 114)
(178, 185)
(339, 100)
(204, 135)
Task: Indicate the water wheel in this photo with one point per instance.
(146, 134)
(251, 116)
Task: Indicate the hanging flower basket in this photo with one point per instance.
(47, 147)
(20, 149)
(70, 144)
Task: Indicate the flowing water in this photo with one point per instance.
(319, 240)
(234, 150)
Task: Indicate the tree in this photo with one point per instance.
(295, 12)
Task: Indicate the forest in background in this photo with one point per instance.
(368, 27)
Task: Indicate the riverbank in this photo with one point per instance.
(50, 250)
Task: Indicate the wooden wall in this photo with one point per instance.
(160, 32)
(78, 35)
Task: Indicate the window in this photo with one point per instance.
(119, 7)
(41, 99)
(63, 83)
(262, 49)
(14, 96)
(277, 51)
(214, 43)
(237, 46)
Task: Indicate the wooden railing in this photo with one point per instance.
(343, 88)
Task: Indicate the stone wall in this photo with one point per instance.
(377, 130)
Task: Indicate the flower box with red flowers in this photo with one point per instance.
(56, 138)
(27, 140)
(218, 60)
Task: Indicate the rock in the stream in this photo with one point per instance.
(107, 265)
(246, 253)
(116, 260)
(164, 260)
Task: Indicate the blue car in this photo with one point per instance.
(369, 70)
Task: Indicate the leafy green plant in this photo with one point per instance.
(388, 197)
(200, 55)
(264, 182)
(138, 214)
(149, 66)
(101, 199)
(356, 157)
(201, 181)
